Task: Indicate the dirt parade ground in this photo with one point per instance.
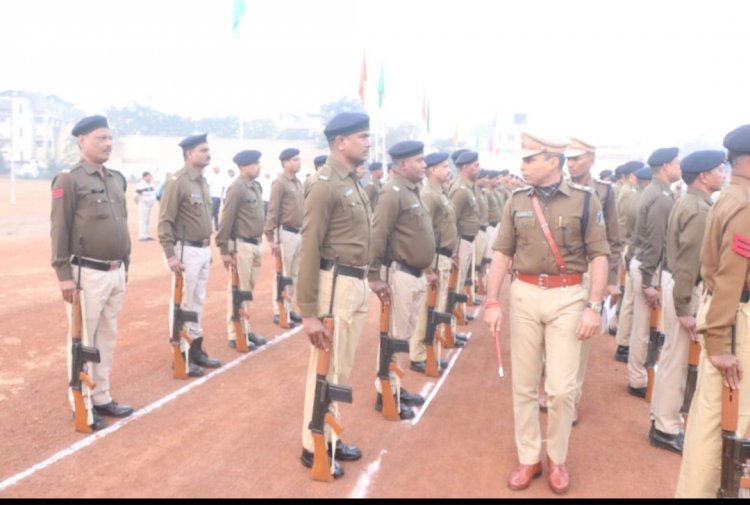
(236, 431)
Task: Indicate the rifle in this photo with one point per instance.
(179, 318)
(282, 297)
(238, 311)
(655, 340)
(81, 354)
(734, 450)
(454, 299)
(692, 378)
(388, 346)
(325, 393)
(618, 299)
(434, 318)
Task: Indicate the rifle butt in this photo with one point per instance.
(448, 339)
(240, 337)
(390, 409)
(283, 316)
(180, 367)
(321, 469)
(650, 373)
(431, 368)
(459, 312)
(81, 416)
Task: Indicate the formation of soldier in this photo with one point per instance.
(566, 244)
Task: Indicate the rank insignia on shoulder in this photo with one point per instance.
(667, 193)
(415, 205)
(741, 245)
(323, 177)
(396, 188)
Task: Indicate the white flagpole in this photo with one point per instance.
(12, 155)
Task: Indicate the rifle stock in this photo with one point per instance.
(455, 299)
(389, 346)
(238, 311)
(654, 338)
(282, 297)
(692, 378)
(434, 319)
(179, 333)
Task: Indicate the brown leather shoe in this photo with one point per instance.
(522, 476)
(559, 479)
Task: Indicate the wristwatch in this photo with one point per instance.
(595, 306)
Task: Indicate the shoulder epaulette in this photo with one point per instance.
(122, 178)
(519, 190)
(605, 183)
(579, 187)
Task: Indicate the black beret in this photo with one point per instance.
(319, 161)
(244, 158)
(628, 168)
(503, 172)
(375, 165)
(738, 140)
(390, 166)
(467, 157)
(433, 159)
(605, 174)
(663, 155)
(346, 123)
(406, 149)
(288, 154)
(702, 161)
(193, 140)
(89, 124)
(458, 152)
(483, 174)
(644, 173)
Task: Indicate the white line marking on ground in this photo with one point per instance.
(89, 440)
(365, 478)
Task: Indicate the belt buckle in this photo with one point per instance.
(541, 280)
(564, 279)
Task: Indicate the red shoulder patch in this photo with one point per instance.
(741, 245)
(58, 193)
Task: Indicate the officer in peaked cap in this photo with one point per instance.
(375, 185)
(545, 265)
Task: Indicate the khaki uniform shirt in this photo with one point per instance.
(89, 206)
(494, 206)
(725, 264)
(687, 223)
(285, 205)
(484, 208)
(606, 195)
(466, 206)
(522, 239)
(242, 215)
(651, 221)
(372, 190)
(443, 217)
(335, 226)
(625, 198)
(185, 210)
(402, 223)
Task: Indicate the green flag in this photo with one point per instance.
(381, 87)
(237, 13)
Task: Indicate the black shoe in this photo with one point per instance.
(622, 353)
(458, 343)
(250, 346)
(443, 364)
(477, 303)
(612, 331)
(256, 341)
(462, 337)
(665, 440)
(193, 370)
(198, 356)
(418, 366)
(404, 414)
(345, 452)
(469, 317)
(98, 423)
(308, 457)
(112, 409)
(411, 399)
(639, 392)
(276, 319)
(294, 317)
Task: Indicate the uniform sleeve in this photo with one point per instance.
(228, 217)
(687, 265)
(61, 224)
(384, 223)
(613, 237)
(596, 232)
(459, 199)
(731, 276)
(505, 242)
(317, 214)
(170, 205)
(274, 210)
(429, 202)
(657, 218)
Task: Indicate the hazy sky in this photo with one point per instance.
(615, 72)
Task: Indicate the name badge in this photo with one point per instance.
(523, 213)
(196, 197)
(348, 192)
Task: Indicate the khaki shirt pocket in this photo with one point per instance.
(95, 203)
(417, 217)
(569, 235)
(353, 209)
(524, 225)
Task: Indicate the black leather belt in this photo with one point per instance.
(416, 272)
(254, 241)
(494, 225)
(104, 266)
(356, 272)
(196, 243)
(483, 227)
(445, 251)
(744, 296)
(467, 238)
(291, 229)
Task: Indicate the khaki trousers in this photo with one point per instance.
(543, 323)
(585, 348)
(465, 261)
(700, 471)
(492, 232)
(290, 243)
(417, 348)
(349, 311)
(197, 264)
(625, 319)
(669, 384)
(249, 260)
(102, 297)
(637, 377)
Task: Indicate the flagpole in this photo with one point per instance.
(12, 155)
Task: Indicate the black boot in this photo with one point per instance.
(199, 357)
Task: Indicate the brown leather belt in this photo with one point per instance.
(290, 229)
(104, 266)
(196, 243)
(254, 240)
(551, 281)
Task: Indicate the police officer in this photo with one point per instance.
(145, 197)
(443, 219)
(703, 173)
(550, 310)
(581, 156)
(466, 206)
(650, 236)
(89, 232)
(240, 237)
(503, 192)
(725, 269)
(480, 242)
(626, 212)
(402, 232)
(284, 223)
(374, 186)
(185, 233)
(335, 234)
(318, 162)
